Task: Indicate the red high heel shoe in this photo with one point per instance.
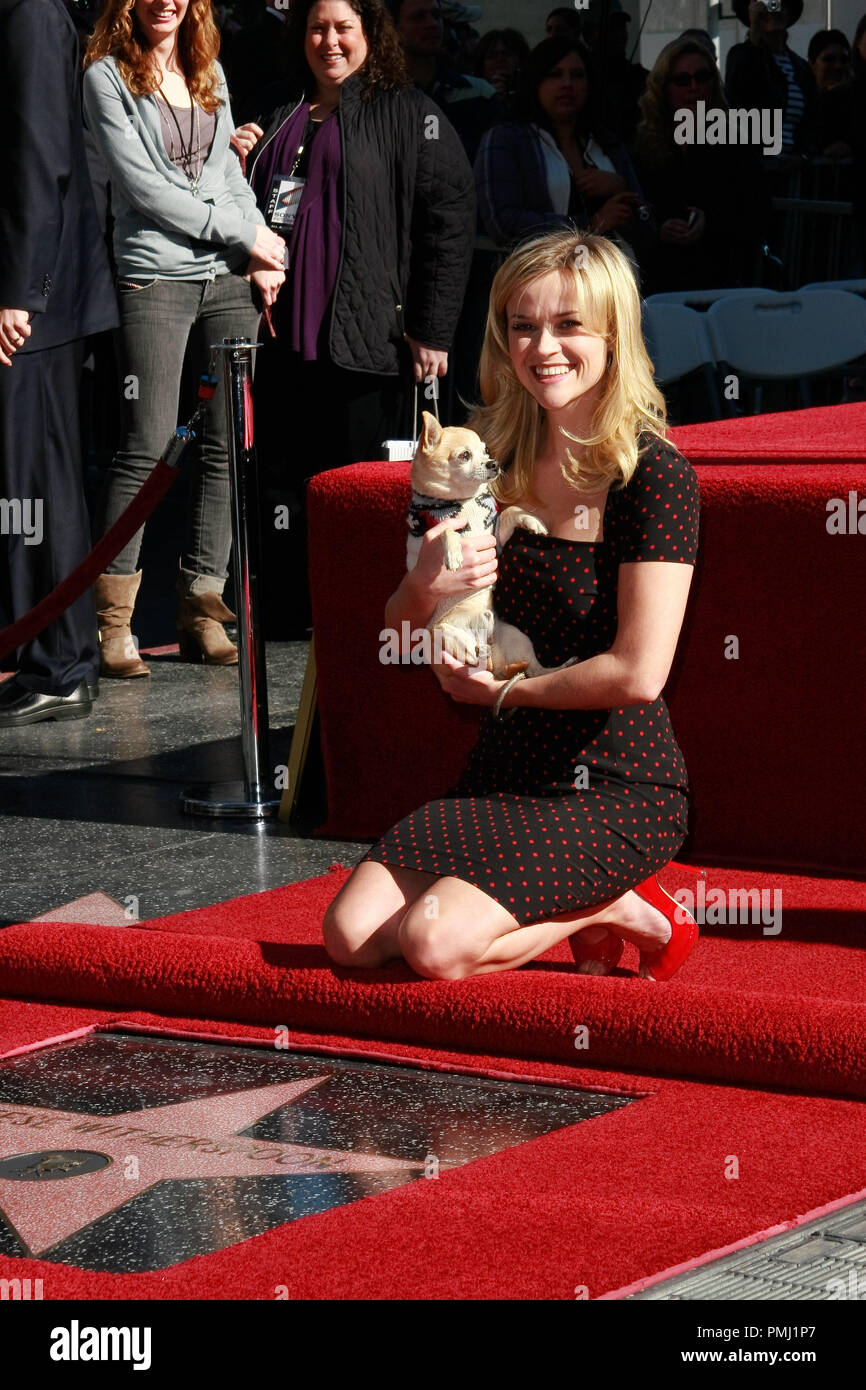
(605, 952)
(666, 961)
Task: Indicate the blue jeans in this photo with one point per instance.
(160, 321)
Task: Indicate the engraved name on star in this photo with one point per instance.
(193, 1139)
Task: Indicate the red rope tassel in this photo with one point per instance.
(248, 419)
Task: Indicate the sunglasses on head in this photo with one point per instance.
(702, 77)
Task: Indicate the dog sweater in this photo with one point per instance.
(479, 512)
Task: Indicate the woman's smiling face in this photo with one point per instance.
(159, 19)
(556, 358)
(335, 44)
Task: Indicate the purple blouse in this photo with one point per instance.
(300, 313)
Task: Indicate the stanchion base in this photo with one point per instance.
(227, 799)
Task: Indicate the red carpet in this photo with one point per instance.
(596, 1206)
(774, 741)
(782, 1010)
(773, 735)
(827, 431)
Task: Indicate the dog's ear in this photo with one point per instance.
(431, 433)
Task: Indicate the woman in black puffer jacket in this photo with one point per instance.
(368, 183)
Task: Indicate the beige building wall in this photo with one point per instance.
(526, 15)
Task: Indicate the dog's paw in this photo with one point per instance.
(531, 523)
(513, 517)
(459, 643)
(453, 547)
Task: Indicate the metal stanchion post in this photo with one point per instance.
(255, 797)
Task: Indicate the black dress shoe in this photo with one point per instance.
(19, 706)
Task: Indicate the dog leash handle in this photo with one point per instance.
(415, 408)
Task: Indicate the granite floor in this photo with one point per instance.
(93, 805)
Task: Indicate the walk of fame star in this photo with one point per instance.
(146, 1147)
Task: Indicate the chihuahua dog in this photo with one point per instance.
(451, 476)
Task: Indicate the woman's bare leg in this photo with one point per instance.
(360, 925)
(472, 934)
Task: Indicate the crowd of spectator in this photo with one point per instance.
(544, 127)
(576, 130)
(316, 200)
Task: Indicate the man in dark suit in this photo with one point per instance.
(55, 290)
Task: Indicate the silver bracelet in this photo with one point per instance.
(521, 675)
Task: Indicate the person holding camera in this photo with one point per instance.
(553, 163)
(190, 245)
(707, 236)
(764, 73)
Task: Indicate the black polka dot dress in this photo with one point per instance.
(557, 810)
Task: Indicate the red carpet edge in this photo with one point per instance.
(658, 1197)
(814, 1044)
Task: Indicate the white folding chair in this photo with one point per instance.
(783, 336)
(678, 343)
(702, 299)
(851, 286)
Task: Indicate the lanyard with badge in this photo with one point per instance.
(286, 190)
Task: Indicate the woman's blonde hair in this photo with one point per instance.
(511, 421)
(117, 34)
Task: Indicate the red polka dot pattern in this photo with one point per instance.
(514, 824)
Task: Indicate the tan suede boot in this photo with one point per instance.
(115, 599)
(200, 631)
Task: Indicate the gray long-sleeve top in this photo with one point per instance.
(162, 229)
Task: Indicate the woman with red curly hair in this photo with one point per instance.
(190, 245)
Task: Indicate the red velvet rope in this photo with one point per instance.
(94, 564)
(248, 416)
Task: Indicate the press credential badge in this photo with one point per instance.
(284, 199)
